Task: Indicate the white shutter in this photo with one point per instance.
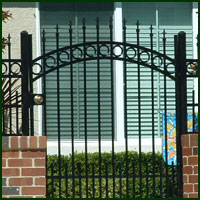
(173, 17)
(61, 14)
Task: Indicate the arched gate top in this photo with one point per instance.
(109, 50)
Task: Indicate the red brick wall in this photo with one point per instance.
(190, 165)
(23, 167)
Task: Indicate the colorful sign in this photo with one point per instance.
(171, 135)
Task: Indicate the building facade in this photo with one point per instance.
(169, 16)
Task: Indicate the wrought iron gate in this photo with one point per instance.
(105, 175)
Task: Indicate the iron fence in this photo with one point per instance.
(11, 94)
(128, 177)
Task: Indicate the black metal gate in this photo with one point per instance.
(116, 175)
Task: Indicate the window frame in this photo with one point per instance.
(118, 69)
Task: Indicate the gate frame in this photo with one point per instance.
(181, 100)
(180, 83)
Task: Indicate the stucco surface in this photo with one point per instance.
(23, 19)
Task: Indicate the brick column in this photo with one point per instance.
(23, 167)
(190, 165)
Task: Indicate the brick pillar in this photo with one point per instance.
(190, 165)
(23, 167)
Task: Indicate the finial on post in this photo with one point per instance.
(83, 21)
(151, 28)
(124, 23)
(97, 20)
(164, 33)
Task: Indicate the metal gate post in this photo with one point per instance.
(25, 82)
(31, 131)
(181, 101)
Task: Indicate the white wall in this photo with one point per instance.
(106, 146)
(23, 19)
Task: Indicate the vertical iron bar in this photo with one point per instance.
(17, 113)
(93, 181)
(107, 180)
(120, 180)
(25, 82)
(134, 179)
(52, 181)
(44, 81)
(152, 96)
(85, 105)
(193, 112)
(77, 79)
(173, 176)
(161, 179)
(183, 68)
(165, 110)
(197, 38)
(158, 77)
(125, 106)
(72, 108)
(66, 179)
(147, 180)
(112, 103)
(177, 93)
(4, 111)
(10, 84)
(44, 93)
(181, 101)
(31, 85)
(99, 108)
(58, 111)
(80, 188)
(139, 107)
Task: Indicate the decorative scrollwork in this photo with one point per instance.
(15, 68)
(117, 50)
(78, 52)
(171, 68)
(64, 57)
(11, 67)
(50, 59)
(144, 56)
(93, 49)
(131, 53)
(104, 48)
(36, 68)
(157, 61)
(4, 68)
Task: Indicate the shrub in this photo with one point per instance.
(120, 172)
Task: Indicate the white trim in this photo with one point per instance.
(119, 93)
(106, 146)
(195, 32)
(38, 53)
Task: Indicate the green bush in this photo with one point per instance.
(120, 180)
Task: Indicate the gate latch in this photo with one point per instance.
(38, 99)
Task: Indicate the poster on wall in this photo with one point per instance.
(171, 135)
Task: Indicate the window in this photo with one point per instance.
(173, 17)
(61, 13)
(179, 18)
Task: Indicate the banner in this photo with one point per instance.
(171, 134)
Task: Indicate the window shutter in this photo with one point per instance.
(55, 13)
(173, 17)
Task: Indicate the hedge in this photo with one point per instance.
(120, 170)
